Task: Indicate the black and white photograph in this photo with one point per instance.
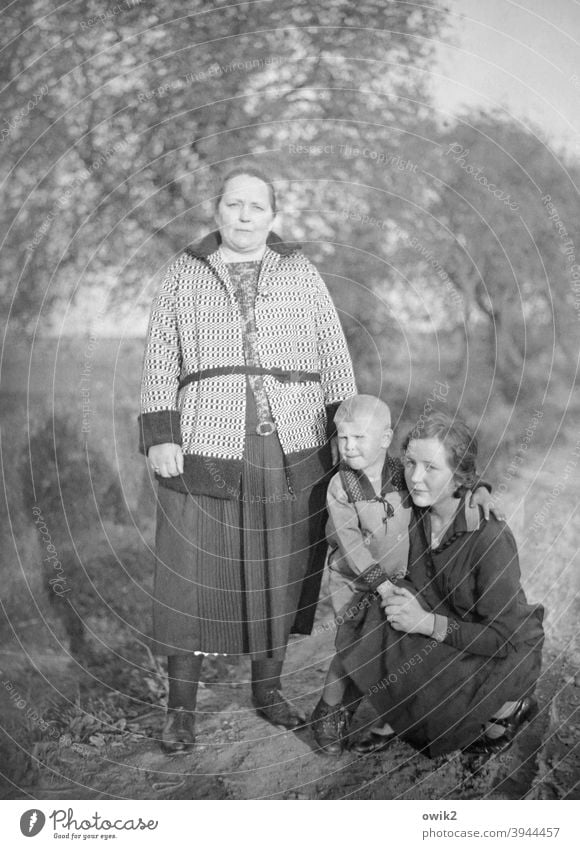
(289, 415)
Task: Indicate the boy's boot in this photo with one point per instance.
(329, 725)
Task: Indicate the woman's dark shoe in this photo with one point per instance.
(485, 745)
(370, 743)
(525, 710)
(178, 737)
(272, 705)
(329, 725)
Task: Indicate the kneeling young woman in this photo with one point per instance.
(450, 659)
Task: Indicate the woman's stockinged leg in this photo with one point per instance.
(267, 695)
(178, 737)
(183, 671)
(266, 675)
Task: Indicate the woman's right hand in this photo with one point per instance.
(166, 459)
(405, 613)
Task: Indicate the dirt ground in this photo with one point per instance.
(240, 756)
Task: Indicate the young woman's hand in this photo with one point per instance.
(404, 613)
(483, 498)
(166, 459)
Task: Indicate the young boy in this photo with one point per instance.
(369, 511)
(368, 503)
(367, 531)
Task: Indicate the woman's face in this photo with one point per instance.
(244, 215)
(429, 478)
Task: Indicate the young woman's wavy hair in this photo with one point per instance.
(247, 171)
(460, 445)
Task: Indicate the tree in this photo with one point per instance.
(502, 231)
(112, 170)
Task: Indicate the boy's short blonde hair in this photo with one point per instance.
(363, 406)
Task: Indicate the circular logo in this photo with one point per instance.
(32, 822)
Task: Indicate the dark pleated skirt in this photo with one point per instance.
(237, 576)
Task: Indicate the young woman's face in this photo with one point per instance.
(429, 478)
(244, 215)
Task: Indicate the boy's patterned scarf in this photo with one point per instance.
(358, 487)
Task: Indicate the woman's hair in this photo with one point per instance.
(459, 441)
(247, 171)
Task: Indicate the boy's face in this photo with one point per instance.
(363, 443)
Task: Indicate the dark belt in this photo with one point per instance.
(282, 375)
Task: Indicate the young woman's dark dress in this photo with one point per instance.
(438, 695)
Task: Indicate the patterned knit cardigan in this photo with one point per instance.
(196, 324)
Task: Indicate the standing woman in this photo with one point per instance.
(245, 365)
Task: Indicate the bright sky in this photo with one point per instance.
(520, 55)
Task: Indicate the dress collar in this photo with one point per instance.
(210, 243)
(466, 520)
